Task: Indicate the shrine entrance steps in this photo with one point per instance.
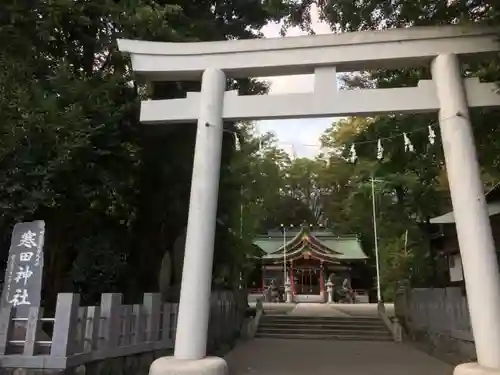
(323, 328)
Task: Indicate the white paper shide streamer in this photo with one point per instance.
(237, 144)
(432, 135)
(380, 150)
(408, 145)
(352, 154)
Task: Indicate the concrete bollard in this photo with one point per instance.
(329, 290)
(288, 292)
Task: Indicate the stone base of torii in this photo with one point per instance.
(174, 366)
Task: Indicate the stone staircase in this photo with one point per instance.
(323, 328)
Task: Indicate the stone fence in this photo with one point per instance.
(437, 318)
(111, 338)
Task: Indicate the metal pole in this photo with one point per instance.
(379, 297)
(241, 213)
(284, 255)
(406, 242)
(241, 230)
(241, 221)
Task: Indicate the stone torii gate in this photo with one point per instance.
(448, 93)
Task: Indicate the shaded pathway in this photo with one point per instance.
(320, 357)
(304, 357)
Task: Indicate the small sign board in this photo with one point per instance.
(23, 276)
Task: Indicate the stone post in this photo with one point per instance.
(288, 292)
(322, 282)
(329, 290)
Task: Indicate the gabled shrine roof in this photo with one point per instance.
(492, 202)
(321, 244)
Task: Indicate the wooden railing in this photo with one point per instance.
(81, 335)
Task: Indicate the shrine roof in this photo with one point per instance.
(324, 243)
(493, 207)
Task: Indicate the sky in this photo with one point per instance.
(297, 137)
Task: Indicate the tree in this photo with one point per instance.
(302, 184)
(376, 14)
(114, 193)
(415, 186)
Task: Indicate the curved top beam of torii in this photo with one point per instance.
(323, 55)
(365, 50)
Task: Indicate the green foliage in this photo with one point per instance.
(376, 14)
(114, 194)
(414, 186)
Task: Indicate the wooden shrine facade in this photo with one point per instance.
(308, 258)
(444, 246)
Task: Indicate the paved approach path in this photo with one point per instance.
(321, 357)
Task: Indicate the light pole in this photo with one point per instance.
(285, 275)
(377, 263)
(241, 226)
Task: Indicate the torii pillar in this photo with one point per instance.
(477, 247)
(194, 305)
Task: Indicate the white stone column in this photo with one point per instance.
(288, 291)
(477, 247)
(194, 305)
(329, 290)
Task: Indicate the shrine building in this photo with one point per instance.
(311, 258)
